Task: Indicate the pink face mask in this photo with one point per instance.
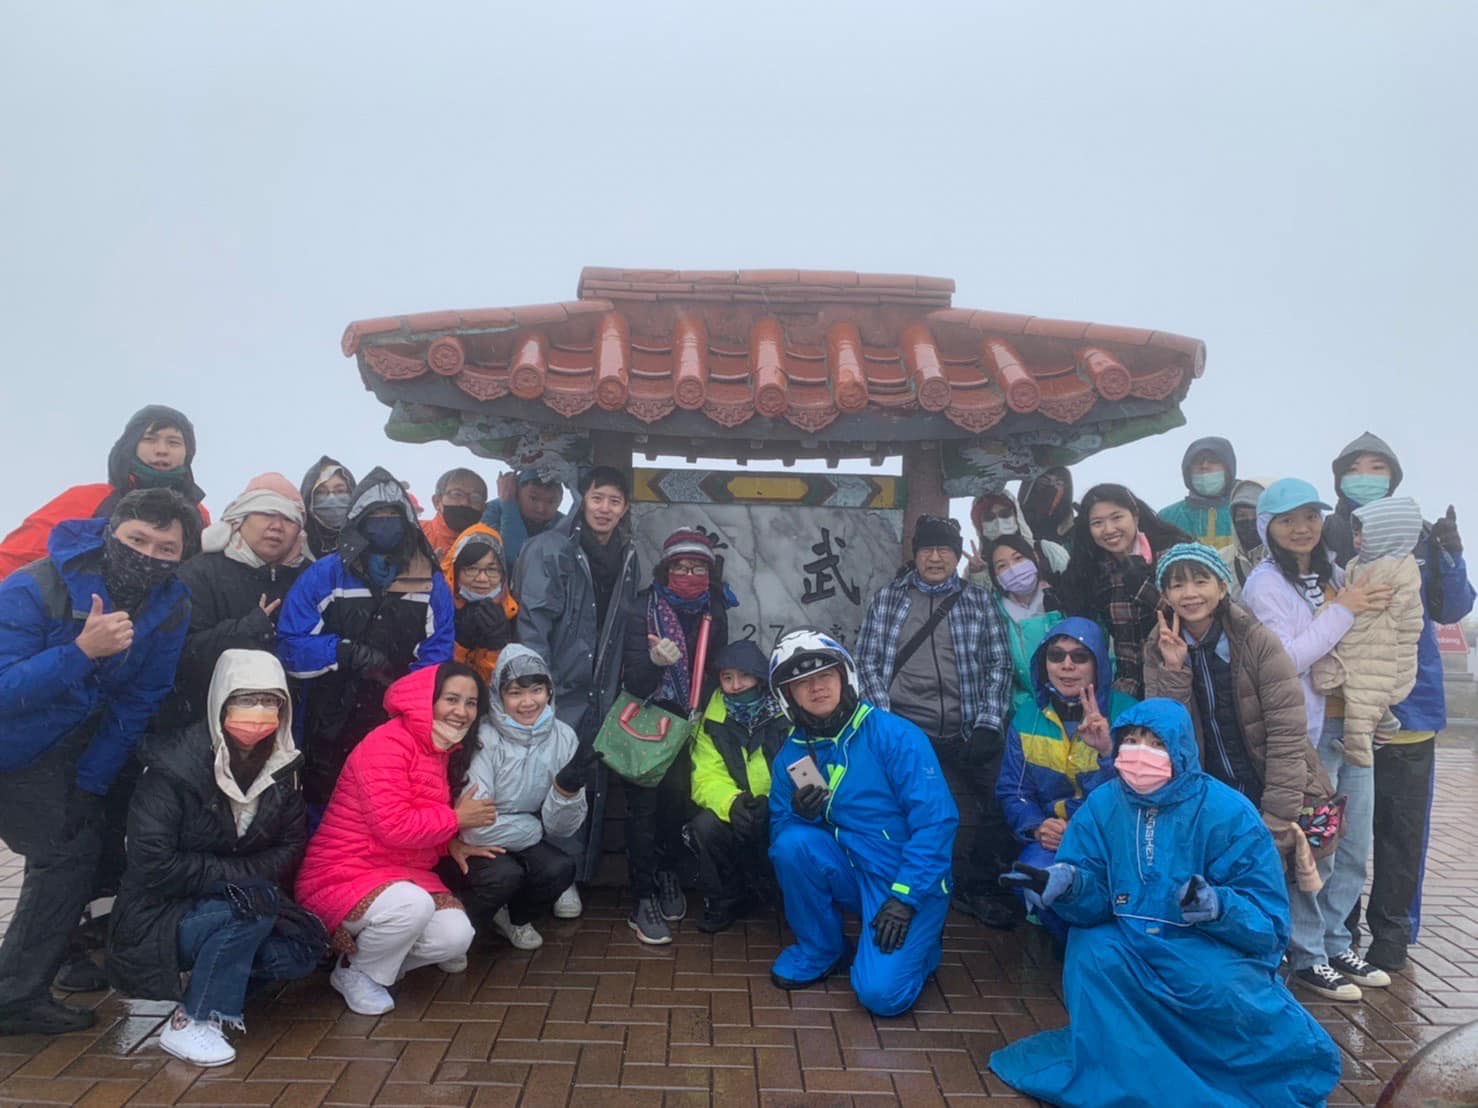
(249, 725)
(1143, 768)
(687, 586)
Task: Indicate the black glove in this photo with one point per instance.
(482, 625)
(572, 776)
(741, 816)
(250, 900)
(1023, 876)
(987, 742)
(890, 925)
(363, 660)
(1445, 534)
(809, 801)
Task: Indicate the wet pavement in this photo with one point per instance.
(595, 1018)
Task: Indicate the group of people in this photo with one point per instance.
(321, 729)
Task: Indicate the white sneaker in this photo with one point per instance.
(521, 935)
(568, 905)
(453, 965)
(199, 1042)
(364, 995)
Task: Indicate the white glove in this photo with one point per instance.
(663, 652)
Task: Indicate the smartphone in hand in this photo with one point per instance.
(803, 772)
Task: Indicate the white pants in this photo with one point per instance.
(403, 930)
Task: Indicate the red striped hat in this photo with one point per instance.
(688, 543)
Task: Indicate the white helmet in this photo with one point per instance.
(801, 652)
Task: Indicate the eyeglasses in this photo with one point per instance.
(699, 570)
(1057, 655)
(457, 496)
(255, 700)
(491, 573)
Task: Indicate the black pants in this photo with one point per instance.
(731, 867)
(526, 882)
(1403, 792)
(654, 826)
(992, 848)
(59, 831)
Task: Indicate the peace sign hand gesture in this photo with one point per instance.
(1094, 728)
(1172, 647)
(976, 562)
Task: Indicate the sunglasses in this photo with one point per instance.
(1057, 655)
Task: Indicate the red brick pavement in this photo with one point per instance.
(596, 1018)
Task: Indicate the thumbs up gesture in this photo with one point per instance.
(663, 652)
(105, 633)
(1445, 534)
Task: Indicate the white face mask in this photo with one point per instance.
(473, 597)
(991, 529)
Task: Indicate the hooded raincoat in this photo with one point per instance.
(322, 540)
(27, 543)
(479, 658)
(1239, 557)
(1161, 1010)
(191, 827)
(516, 766)
(1207, 519)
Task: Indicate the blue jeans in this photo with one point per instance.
(1318, 919)
(225, 954)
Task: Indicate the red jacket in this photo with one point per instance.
(390, 818)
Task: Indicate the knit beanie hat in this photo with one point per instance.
(1196, 552)
(688, 543)
(937, 531)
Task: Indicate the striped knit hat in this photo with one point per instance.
(688, 543)
(1196, 552)
(1389, 528)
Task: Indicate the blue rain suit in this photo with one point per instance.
(888, 830)
(1164, 1011)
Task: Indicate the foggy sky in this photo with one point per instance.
(195, 199)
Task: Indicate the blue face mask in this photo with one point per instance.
(1209, 484)
(383, 532)
(1364, 488)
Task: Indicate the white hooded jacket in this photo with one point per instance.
(248, 671)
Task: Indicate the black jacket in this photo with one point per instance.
(225, 614)
(642, 677)
(181, 842)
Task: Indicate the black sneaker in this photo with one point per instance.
(1327, 981)
(81, 975)
(1361, 972)
(47, 1016)
(646, 920)
(838, 966)
(718, 915)
(670, 899)
(1386, 956)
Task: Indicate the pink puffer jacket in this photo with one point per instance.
(390, 818)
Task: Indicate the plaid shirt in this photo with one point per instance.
(1126, 599)
(982, 651)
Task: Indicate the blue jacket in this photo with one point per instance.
(504, 517)
(890, 808)
(49, 688)
(1045, 773)
(1426, 708)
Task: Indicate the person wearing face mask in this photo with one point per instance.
(216, 831)
(996, 515)
(1179, 914)
(370, 871)
(1365, 471)
(1027, 604)
(1209, 470)
(733, 745)
(357, 620)
(934, 650)
(326, 492)
(533, 769)
(90, 638)
(1047, 505)
(659, 652)
(1246, 549)
(475, 568)
(459, 500)
(1057, 747)
(155, 451)
(529, 508)
(1111, 576)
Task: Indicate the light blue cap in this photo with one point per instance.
(1288, 494)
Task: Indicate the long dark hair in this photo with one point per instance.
(1080, 579)
(460, 762)
(1287, 562)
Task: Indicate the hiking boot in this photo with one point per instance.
(839, 966)
(47, 1016)
(199, 1042)
(568, 905)
(670, 899)
(1361, 972)
(361, 993)
(80, 975)
(718, 915)
(1327, 981)
(646, 920)
(521, 936)
(1386, 956)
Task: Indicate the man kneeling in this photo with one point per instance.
(863, 821)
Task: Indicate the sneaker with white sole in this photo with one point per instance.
(670, 899)
(362, 993)
(646, 920)
(453, 965)
(568, 906)
(1327, 981)
(199, 1042)
(521, 935)
(1361, 972)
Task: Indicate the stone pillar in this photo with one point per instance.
(923, 483)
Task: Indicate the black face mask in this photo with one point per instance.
(130, 575)
(1247, 533)
(459, 517)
